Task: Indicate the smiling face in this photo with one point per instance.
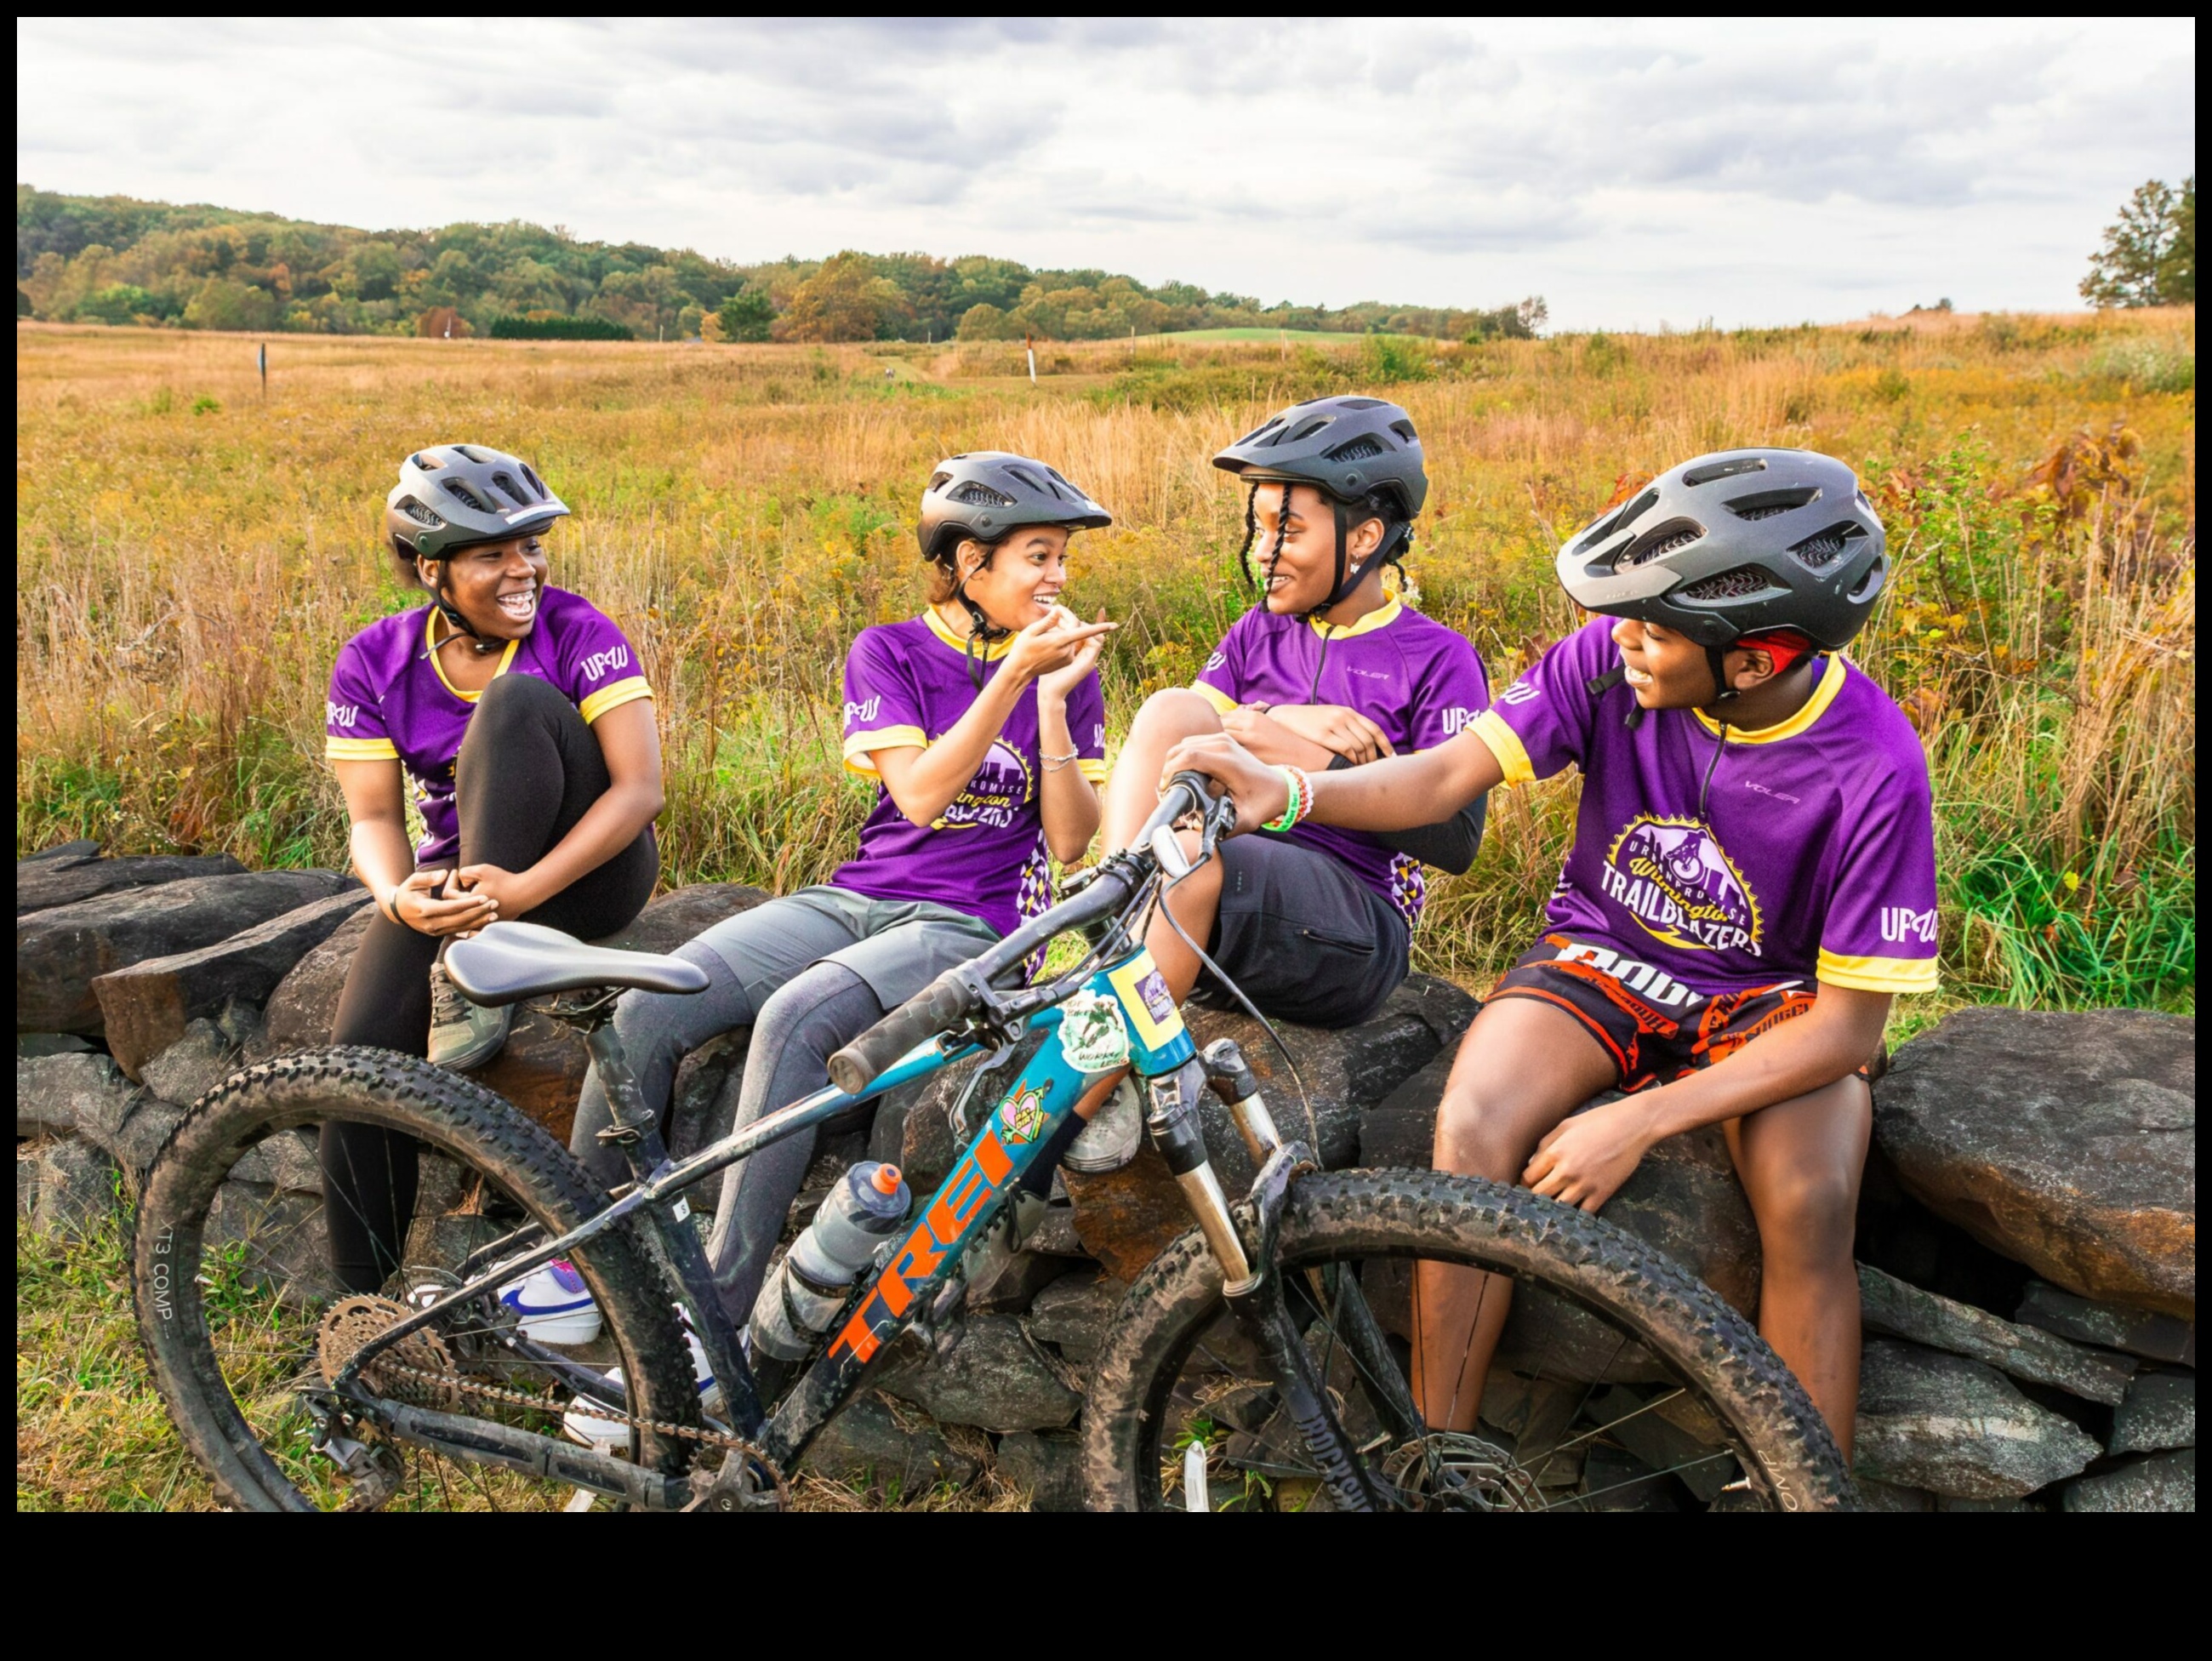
(1023, 578)
(494, 585)
(1299, 577)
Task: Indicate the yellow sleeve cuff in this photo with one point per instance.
(1222, 702)
(1095, 769)
(861, 747)
(1505, 744)
(1877, 974)
(613, 697)
(360, 749)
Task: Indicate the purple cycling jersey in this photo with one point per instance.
(1814, 856)
(389, 699)
(906, 684)
(1419, 681)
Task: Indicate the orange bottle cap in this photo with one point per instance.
(886, 1179)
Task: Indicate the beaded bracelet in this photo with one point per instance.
(1301, 800)
(1305, 794)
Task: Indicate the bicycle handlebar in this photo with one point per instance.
(961, 990)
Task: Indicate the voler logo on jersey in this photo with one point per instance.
(1520, 692)
(596, 666)
(1901, 922)
(341, 715)
(994, 795)
(864, 713)
(1674, 879)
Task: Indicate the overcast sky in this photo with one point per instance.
(1631, 172)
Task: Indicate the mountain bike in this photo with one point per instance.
(1265, 1360)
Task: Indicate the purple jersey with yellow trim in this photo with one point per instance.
(907, 684)
(1815, 855)
(389, 699)
(1419, 681)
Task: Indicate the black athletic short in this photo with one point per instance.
(1306, 940)
(1655, 1028)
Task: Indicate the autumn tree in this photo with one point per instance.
(2149, 254)
(845, 300)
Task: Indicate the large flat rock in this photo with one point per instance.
(1889, 1306)
(1954, 1426)
(60, 878)
(59, 953)
(2067, 1142)
(147, 1006)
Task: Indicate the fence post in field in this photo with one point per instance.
(1028, 344)
(262, 354)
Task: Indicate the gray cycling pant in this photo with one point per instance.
(809, 973)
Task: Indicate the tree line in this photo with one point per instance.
(2148, 257)
(118, 260)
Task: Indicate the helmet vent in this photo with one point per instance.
(937, 481)
(1258, 432)
(474, 453)
(506, 482)
(422, 515)
(1657, 543)
(1030, 479)
(1824, 548)
(1740, 584)
(1360, 404)
(1636, 510)
(1404, 430)
(1304, 430)
(469, 498)
(982, 495)
(1767, 504)
(536, 483)
(1357, 449)
(1728, 469)
(427, 461)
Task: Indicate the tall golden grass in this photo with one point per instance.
(190, 554)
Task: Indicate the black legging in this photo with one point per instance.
(529, 769)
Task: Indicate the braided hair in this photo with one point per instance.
(1397, 534)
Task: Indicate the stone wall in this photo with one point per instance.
(2028, 1231)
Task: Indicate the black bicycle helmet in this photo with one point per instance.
(985, 496)
(1361, 452)
(452, 497)
(1735, 543)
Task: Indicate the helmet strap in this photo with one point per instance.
(458, 626)
(982, 632)
(1717, 657)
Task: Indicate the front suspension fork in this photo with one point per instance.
(1253, 1286)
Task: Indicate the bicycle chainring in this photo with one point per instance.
(1446, 1471)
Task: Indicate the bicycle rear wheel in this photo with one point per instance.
(1622, 1382)
(241, 1325)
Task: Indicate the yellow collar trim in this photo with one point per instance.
(958, 642)
(430, 645)
(1816, 706)
(1380, 617)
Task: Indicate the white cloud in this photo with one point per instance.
(1631, 172)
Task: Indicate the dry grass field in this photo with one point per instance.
(190, 553)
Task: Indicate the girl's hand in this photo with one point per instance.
(416, 902)
(510, 893)
(1260, 792)
(1585, 1160)
(1338, 730)
(1055, 684)
(1053, 644)
(1258, 731)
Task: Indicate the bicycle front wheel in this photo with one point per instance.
(1621, 1382)
(241, 1327)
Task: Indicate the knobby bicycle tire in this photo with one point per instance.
(1481, 1225)
(479, 1130)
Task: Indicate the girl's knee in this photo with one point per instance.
(518, 697)
(1807, 1216)
(1174, 712)
(1480, 1137)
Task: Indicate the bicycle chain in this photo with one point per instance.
(600, 1410)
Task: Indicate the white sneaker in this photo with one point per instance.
(588, 1427)
(552, 1305)
(1110, 1141)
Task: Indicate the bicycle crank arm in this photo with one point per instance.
(478, 1441)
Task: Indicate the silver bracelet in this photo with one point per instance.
(1053, 764)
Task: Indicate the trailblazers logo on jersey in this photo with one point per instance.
(1672, 876)
(994, 795)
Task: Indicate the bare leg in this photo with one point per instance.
(1800, 1161)
(1523, 1068)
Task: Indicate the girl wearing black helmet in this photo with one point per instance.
(1752, 879)
(1328, 670)
(983, 727)
(519, 718)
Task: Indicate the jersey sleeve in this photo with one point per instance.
(1542, 723)
(1220, 681)
(352, 718)
(1086, 726)
(883, 703)
(598, 667)
(1449, 694)
(1880, 933)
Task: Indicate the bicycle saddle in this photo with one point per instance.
(508, 962)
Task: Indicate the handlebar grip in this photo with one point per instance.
(938, 1006)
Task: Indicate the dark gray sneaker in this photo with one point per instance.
(463, 1035)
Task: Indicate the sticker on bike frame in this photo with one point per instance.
(1091, 1036)
(1021, 1116)
(1145, 996)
